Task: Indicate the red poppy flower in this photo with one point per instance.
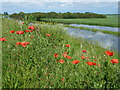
(30, 30)
(68, 57)
(55, 55)
(32, 37)
(18, 43)
(114, 61)
(75, 62)
(12, 31)
(83, 57)
(2, 39)
(65, 55)
(95, 60)
(48, 35)
(24, 43)
(29, 27)
(66, 52)
(84, 51)
(67, 45)
(57, 61)
(91, 63)
(20, 32)
(109, 53)
(61, 61)
(32, 27)
(27, 43)
(23, 23)
(26, 30)
(62, 79)
(98, 65)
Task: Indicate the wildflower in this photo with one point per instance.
(66, 52)
(26, 30)
(114, 61)
(2, 39)
(55, 55)
(84, 51)
(65, 55)
(99, 65)
(24, 43)
(67, 45)
(48, 35)
(91, 63)
(61, 61)
(83, 57)
(30, 30)
(75, 62)
(18, 43)
(19, 32)
(27, 43)
(23, 23)
(56, 60)
(62, 79)
(68, 57)
(29, 27)
(32, 27)
(109, 53)
(32, 37)
(95, 60)
(12, 31)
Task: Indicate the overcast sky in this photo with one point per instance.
(28, 6)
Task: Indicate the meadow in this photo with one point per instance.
(45, 56)
(111, 21)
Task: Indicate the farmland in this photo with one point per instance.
(54, 59)
(111, 21)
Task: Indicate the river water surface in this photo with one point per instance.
(107, 41)
(114, 29)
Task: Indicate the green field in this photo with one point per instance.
(35, 66)
(111, 20)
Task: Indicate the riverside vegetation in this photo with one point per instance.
(45, 56)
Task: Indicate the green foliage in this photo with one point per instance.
(67, 15)
(111, 21)
(6, 13)
(35, 66)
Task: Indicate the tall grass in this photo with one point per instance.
(35, 66)
(109, 21)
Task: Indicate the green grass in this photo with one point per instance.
(35, 66)
(111, 21)
(95, 30)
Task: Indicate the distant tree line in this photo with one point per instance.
(68, 15)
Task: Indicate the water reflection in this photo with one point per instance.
(114, 29)
(105, 40)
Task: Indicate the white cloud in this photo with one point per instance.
(61, 5)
